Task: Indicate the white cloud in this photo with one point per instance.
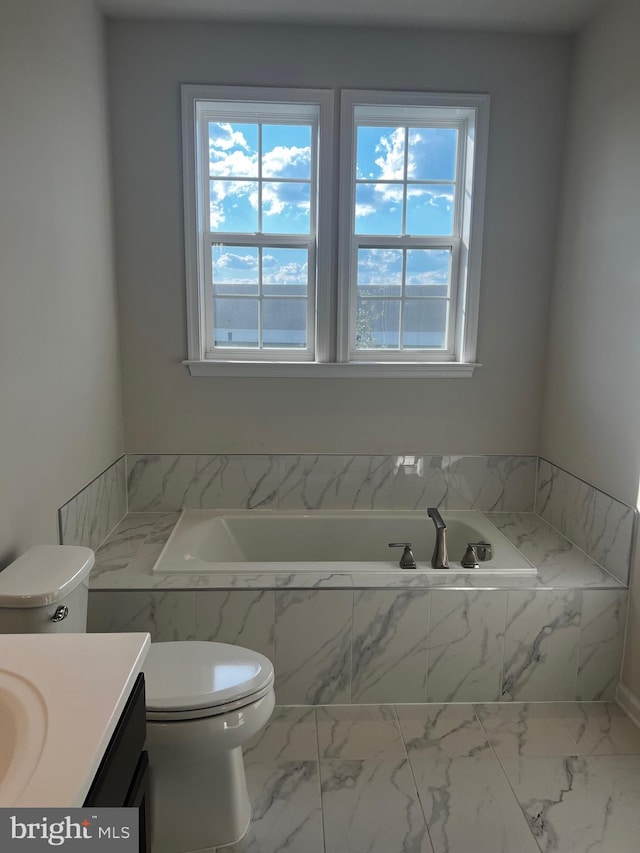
(291, 199)
(291, 273)
(283, 162)
(230, 155)
(433, 196)
(391, 161)
(232, 260)
(428, 277)
(235, 163)
(379, 266)
(365, 209)
(222, 135)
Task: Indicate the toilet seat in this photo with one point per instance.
(190, 679)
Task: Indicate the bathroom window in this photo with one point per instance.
(252, 198)
(259, 225)
(408, 163)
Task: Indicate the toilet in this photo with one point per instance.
(204, 701)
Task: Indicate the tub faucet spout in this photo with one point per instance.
(440, 559)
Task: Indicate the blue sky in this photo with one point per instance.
(286, 153)
(427, 155)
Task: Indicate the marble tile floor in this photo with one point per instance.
(455, 778)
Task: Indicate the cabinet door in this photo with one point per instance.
(138, 798)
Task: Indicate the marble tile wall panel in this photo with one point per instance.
(169, 482)
(242, 618)
(491, 483)
(389, 656)
(598, 524)
(365, 482)
(419, 481)
(313, 646)
(89, 517)
(308, 482)
(165, 615)
(342, 646)
(601, 643)
(466, 645)
(541, 645)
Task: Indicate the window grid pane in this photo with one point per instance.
(241, 196)
(406, 186)
(258, 309)
(386, 202)
(391, 317)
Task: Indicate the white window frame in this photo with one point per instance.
(201, 104)
(469, 113)
(334, 357)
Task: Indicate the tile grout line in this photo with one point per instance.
(504, 647)
(315, 720)
(413, 778)
(579, 648)
(504, 772)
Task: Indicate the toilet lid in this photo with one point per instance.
(187, 675)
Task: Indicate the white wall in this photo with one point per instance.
(498, 410)
(591, 423)
(60, 415)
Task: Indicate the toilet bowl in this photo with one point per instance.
(204, 701)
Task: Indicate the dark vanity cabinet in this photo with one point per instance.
(123, 776)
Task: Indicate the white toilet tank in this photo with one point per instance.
(46, 591)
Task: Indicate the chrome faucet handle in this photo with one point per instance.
(484, 550)
(470, 559)
(407, 560)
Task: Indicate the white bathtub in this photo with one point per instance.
(211, 541)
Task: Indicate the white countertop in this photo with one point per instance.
(84, 681)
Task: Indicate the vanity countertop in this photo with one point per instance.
(82, 683)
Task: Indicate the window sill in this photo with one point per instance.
(352, 370)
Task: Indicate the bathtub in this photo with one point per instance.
(265, 541)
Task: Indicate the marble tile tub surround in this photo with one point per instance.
(595, 522)
(165, 483)
(340, 644)
(442, 778)
(90, 516)
(126, 560)
(347, 646)
(600, 525)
